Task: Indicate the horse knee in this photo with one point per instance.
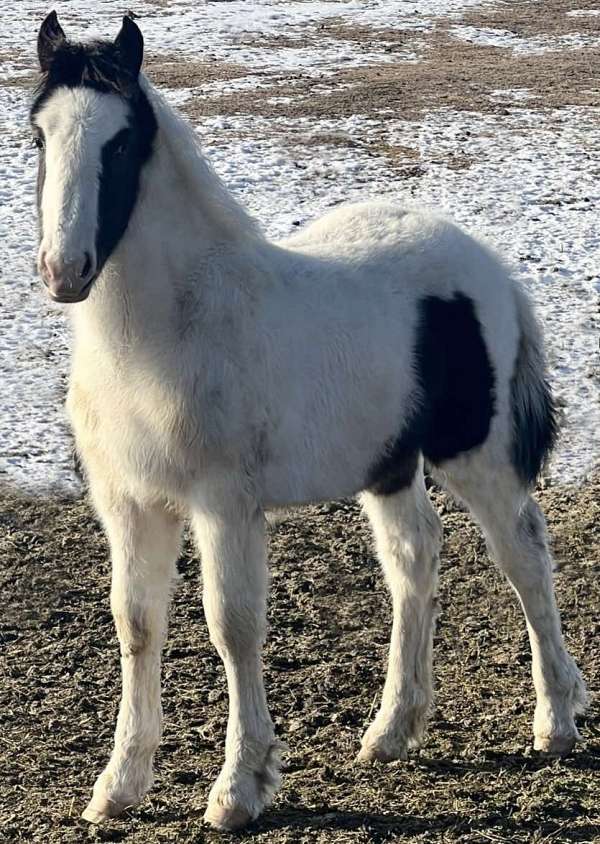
(531, 527)
(140, 627)
(420, 541)
(234, 628)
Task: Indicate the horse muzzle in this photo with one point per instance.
(68, 282)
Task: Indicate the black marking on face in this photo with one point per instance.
(456, 401)
(122, 160)
(110, 68)
(41, 178)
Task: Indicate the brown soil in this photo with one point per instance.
(526, 18)
(475, 779)
(453, 73)
(176, 72)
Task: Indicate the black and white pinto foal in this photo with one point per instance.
(216, 375)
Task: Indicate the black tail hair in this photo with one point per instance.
(534, 413)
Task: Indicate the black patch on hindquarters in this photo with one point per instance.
(456, 376)
(456, 394)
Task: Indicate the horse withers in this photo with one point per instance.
(216, 375)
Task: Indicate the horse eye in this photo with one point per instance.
(121, 148)
(37, 142)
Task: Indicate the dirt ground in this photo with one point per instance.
(453, 73)
(476, 778)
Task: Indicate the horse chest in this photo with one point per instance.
(141, 432)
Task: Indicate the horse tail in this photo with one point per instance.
(534, 412)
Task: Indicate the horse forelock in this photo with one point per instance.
(94, 65)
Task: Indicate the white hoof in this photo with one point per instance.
(113, 794)
(241, 793)
(227, 819)
(381, 750)
(555, 746)
(390, 738)
(102, 809)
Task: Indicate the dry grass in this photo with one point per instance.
(453, 73)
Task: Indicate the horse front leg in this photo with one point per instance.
(232, 543)
(144, 547)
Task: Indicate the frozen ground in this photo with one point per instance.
(524, 46)
(526, 179)
(233, 31)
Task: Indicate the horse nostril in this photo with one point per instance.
(43, 267)
(87, 266)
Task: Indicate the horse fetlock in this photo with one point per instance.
(392, 735)
(554, 728)
(242, 791)
(117, 790)
(579, 696)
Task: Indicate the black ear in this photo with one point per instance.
(130, 45)
(50, 38)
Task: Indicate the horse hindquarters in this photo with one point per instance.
(486, 429)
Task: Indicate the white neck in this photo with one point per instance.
(184, 218)
(187, 171)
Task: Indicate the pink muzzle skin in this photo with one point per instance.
(67, 281)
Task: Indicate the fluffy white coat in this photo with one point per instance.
(216, 374)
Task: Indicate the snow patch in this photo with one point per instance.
(523, 46)
(528, 181)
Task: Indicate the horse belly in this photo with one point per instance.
(330, 457)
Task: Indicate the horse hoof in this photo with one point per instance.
(558, 746)
(93, 816)
(365, 756)
(227, 819)
(101, 810)
(372, 753)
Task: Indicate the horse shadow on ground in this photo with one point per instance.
(292, 821)
(492, 822)
(380, 828)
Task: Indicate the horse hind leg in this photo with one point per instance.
(408, 536)
(515, 530)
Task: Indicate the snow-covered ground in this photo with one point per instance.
(524, 46)
(233, 31)
(531, 186)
